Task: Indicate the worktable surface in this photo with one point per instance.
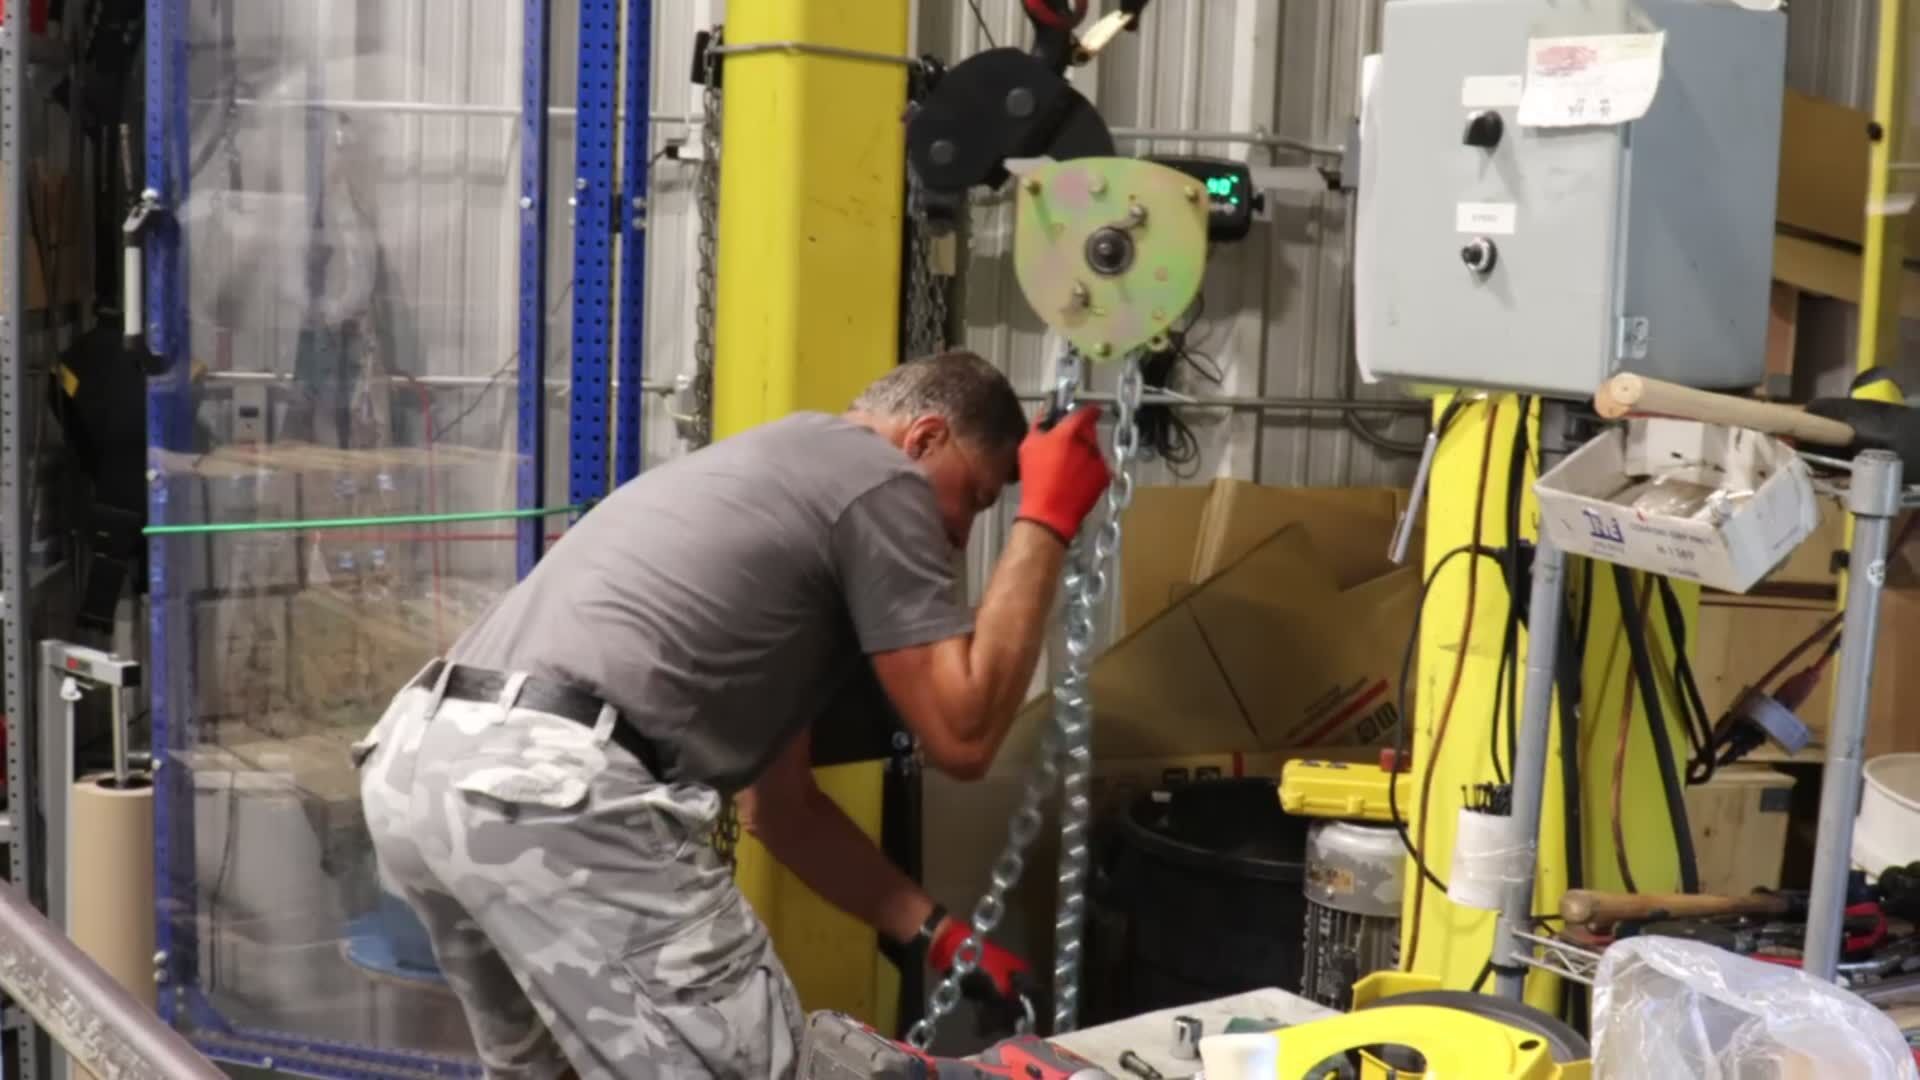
(1151, 1034)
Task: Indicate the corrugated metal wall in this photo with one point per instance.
(1275, 319)
(1275, 308)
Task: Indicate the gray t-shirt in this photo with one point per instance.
(722, 601)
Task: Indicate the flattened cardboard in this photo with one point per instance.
(1350, 527)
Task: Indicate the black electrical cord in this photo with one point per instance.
(1401, 744)
(1698, 725)
(1657, 729)
(1162, 432)
(1516, 494)
(1568, 678)
(442, 431)
(981, 21)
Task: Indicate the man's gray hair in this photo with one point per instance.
(958, 386)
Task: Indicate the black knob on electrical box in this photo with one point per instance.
(1484, 130)
(1480, 254)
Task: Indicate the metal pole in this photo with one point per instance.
(1236, 402)
(1874, 499)
(530, 398)
(93, 1018)
(1250, 138)
(1530, 746)
(16, 601)
(412, 108)
(594, 194)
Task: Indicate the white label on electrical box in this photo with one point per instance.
(1596, 79)
(1486, 218)
(1491, 91)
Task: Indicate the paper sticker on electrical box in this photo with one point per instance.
(1491, 91)
(1486, 219)
(1591, 80)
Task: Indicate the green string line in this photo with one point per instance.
(358, 522)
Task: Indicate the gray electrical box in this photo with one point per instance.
(1515, 233)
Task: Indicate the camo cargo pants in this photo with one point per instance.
(573, 901)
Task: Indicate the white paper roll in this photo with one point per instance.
(110, 906)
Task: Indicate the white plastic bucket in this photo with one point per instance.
(1887, 832)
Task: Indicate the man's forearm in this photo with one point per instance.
(1011, 624)
(818, 842)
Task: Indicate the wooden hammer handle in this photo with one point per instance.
(1636, 395)
(1584, 906)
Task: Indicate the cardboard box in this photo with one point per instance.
(1350, 527)
(1162, 528)
(1268, 655)
(1739, 824)
(1824, 165)
(1581, 511)
(1808, 572)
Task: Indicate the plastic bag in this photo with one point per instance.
(1667, 1007)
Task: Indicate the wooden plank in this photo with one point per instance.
(1783, 331)
(1739, 822)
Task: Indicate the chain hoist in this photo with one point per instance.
(1066, 750)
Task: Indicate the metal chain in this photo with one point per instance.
(1089, 574)
(693, 390)
(926, 315)
(1066, 748)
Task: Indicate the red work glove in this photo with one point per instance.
(1062, 473)
(995, 962)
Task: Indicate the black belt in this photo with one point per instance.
(542, 695)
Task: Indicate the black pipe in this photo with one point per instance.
(1657, 725)
(1700, 725)
(1567, 681)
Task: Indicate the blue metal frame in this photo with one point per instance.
(532, 396)
(170, 422)
(593, 209)
(632, 210)
(169, 426)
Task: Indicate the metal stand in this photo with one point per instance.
(1874, 499)
(15, 398)
(1511, 933)
(67, 672)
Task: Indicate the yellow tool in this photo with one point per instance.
(1467, 1036)
(1350, 791)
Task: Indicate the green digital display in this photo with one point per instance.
(1223, 188)
(1232, 197)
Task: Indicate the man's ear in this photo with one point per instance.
(925, 434)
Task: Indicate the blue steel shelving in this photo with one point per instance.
(606, 205)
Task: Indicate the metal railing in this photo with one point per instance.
(94, 1019)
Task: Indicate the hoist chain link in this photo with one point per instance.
(693, 390)
(693, 413)
(1066, 751)
(926, 315)
(1087, 585)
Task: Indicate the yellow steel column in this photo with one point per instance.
(1454, 942)
(811, 180)
(1893, 180)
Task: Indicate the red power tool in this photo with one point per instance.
(838, 1047)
